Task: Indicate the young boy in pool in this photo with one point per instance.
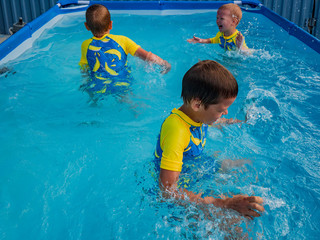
(228, 37)
(208, 90)
(104, 56)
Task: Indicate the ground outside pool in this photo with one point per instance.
(74, 170)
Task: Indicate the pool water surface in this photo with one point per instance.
(74, 170)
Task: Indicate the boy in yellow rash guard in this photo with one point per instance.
(228, 37)
(208, 89)
(104, 56)
(180, 137)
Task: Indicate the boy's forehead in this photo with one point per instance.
(226, 102)
(224, 11)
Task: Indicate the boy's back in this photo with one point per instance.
(107, 54)
(106, 59)
(104, 56)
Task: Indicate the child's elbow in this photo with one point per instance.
(84, 67)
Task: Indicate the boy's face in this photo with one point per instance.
(225, 21)
(214, 111)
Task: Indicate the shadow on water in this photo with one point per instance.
(5, 72)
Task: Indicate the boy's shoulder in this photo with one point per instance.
(85, 44)
(112, 36)
(175, 130)
(115, 36)
(173, 121)
(178, 119)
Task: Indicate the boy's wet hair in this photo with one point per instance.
(234, 9)
(210, 82)
(98, 19)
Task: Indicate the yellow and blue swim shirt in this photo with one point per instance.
(180, 137)
(227, 43)
(106, 60)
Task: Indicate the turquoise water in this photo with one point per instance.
(71, 170)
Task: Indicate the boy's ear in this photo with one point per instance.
(196, 104)
(86, 26)
(110, 26)
(235, 21)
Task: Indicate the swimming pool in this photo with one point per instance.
(70, 170)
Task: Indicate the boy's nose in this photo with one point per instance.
(225, 112)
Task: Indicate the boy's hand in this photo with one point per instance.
(194, 40)
(166, 67)
(239, 40)
(227, 121)
(245, 205)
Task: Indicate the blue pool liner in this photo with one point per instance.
(63, 7)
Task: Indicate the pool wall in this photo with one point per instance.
(10, 49)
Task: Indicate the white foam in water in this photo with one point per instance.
(274, 203)
(261, 105)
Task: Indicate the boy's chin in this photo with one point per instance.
(211, 123)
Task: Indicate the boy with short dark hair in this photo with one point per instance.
(104, 55)
(228, 37)
(208, 90)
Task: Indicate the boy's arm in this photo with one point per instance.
(245, 205)
(152, 58)
(199, 40)
(225, 121)
(84, 66)
(241, 44)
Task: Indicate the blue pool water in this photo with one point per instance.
(71, 170)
